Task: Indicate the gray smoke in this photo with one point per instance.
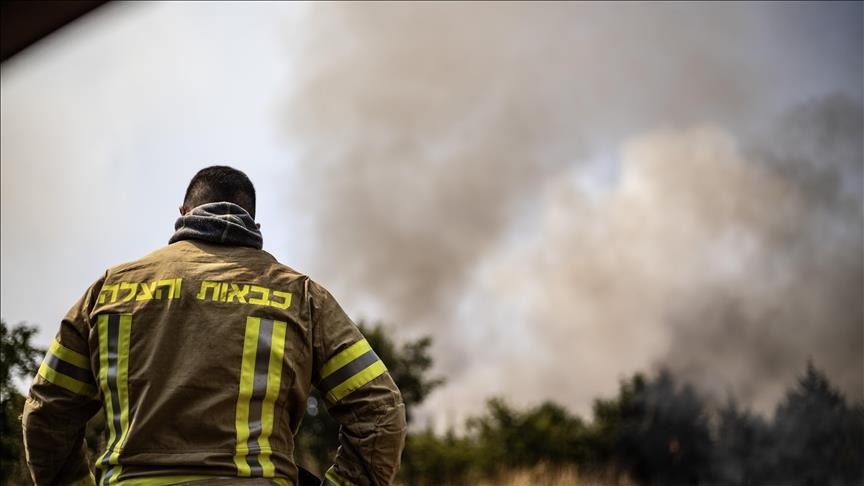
(562, 194)
(801, 296)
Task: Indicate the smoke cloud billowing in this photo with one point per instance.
(562, 194)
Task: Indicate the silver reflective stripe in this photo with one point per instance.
(347, 371)
(113, 348)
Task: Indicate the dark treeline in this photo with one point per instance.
(655, 431)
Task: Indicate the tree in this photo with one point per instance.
(819, 439)
(317, 439)
(656, 430)
(19, 359)
(742, 449)
(546, 434)
(433, 460)
(545, 439)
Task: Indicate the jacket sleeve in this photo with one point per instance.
(361, 396)
(62, 398)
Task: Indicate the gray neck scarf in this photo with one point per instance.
(224, 223)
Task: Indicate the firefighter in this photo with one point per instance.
(202, 355)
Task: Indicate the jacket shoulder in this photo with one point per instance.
(167, 252)
(192, 252)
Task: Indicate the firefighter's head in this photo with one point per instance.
(217, 184)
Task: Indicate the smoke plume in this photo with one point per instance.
(562, 194)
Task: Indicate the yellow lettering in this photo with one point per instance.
(165, 283)
(286, 296)
(132, 287)
(146, 291)
(208, 285)
(238, 293)
(141, 291)
(108, 289)
(265, 296)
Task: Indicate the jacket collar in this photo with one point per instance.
(223, 223)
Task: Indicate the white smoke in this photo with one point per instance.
(562, 194)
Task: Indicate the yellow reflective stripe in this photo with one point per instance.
(114, 472)
(87, 480)
(334, 478)
(68, 369)
(75, 386)
(260, 378)
(341, 359)
(69, 356)
(114, 340)
(368, 374)
(165, 480)
(274, 377)
(181, 479)
(247, 375)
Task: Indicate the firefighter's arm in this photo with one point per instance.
(371, 436)
(362, 397)
(62, 398)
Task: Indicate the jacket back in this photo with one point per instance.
(202, 356)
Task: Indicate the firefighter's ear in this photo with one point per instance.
(182, 210)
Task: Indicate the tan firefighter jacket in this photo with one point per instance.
(202, 355)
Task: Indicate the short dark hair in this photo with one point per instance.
(220, 183)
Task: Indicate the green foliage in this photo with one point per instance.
(19, 359)
(742, 447)
(610, 420)
(655, 431)
(12, 467)
(546, 433)
(495, 443)
(819, 439)
(815, 438)
(433, 460)
(658, 431)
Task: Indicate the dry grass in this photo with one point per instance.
(540, 475)
(545, 475)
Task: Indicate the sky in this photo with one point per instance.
(560, 194)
